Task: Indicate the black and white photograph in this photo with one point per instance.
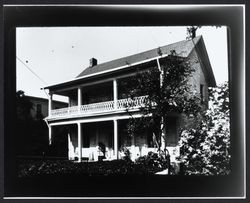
(125, 97)
(98, 103)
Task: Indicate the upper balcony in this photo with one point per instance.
(98, 108)
(108, 96)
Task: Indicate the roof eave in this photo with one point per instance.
(66, 83)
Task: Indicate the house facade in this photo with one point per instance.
(40, 106)
(97, 112)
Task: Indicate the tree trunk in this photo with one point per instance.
(164, 143)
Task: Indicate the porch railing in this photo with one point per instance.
(97, 107)
(131, 103)
(73, 110)
(100, 107)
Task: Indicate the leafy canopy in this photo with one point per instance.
(168, 91)
(206, 149)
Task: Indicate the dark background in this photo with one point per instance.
(131, 186)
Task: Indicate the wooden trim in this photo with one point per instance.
(91, 120)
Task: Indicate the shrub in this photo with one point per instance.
(127, 154)
(153, 162)
(146, 165)
(205, 150)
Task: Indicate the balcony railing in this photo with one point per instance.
(101, 107)
(97, 107)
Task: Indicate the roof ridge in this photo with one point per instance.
(150, 50)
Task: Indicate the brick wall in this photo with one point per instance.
(198, 77)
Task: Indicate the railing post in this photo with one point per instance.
(115, 93)
(50, 103)
(79, 92)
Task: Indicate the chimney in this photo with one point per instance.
(92, 62)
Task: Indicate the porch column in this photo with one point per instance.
(79, 142)
(69, 102)
(115, 139)
(79, 92)
(115, 93)
(50, 103)
(50, 134)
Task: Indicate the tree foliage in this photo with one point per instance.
(206, 149)
(32, 133)
(24, 106)
(167, 90)
(191, 31)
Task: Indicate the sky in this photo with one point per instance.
(50, 55)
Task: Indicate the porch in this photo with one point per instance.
(109, 139)
(96, 98)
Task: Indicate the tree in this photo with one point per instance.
(32, 133)
(206, 149)
(191, 32)
(24, 106)
(168, 91)
(24, 122)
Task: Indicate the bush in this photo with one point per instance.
(153, 162)
(205, 150)
(38, 168)
(127, 154)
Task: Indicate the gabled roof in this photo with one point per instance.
(182, 49)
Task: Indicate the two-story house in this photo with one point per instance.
(97, 113)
